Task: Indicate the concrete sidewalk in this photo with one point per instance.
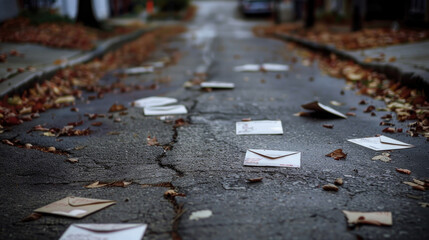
(411, 66)
(39, 62)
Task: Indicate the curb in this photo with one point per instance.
(26, 79)
(411, 77)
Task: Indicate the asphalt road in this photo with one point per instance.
(205, 159)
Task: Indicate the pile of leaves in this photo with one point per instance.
(364, 39)
(55, 34)
(67, 84)
(408, 104)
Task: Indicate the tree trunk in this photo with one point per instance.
(85, 14)
(310, 18)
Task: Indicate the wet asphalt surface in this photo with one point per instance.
(205, 160)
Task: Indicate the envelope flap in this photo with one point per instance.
(387, 140)
(77, 201)
(272, 154)
(106, 228)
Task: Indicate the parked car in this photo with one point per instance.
(249, 7)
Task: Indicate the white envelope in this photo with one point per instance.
(217, 85)
(318, 107)
(272, 158)
(259, 127)
(165, 110)
(129, 231)
(381, 143)
(154, 101)
(271, 67)
(139, 70)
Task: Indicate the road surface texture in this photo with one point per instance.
(204, 159)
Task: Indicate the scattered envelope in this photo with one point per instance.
(318, 107)
(139, 70)
(381, 143)
(154, 101)
(272, 158)
(165, 110)
(259, 127)
(131, 231)
(271, 67)
(225, 85)
(75, 207)
(374, 218)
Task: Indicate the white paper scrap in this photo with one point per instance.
(139, 70)
(105, 231)
(217, 85)
(165, 110)
(154, 101)
(200, 215)
(381, 143)
(272, 158)
(259, 127)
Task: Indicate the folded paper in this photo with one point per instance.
(154, 101)
(270, 67)
(165, 110)
(225, 85)
(318, 107)
(381, 143)
(374, 218)
(75, 207)
(130, 231)
(272, 158)
(259, 127)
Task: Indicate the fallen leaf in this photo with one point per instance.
(180, 122)
(119, 184)
(65, 99)
(424, 204)
(411, 184)
(117, 108)
(246, 119)
(418, 187)
(337, 154)
(96, 124)
(418, 182)
(117, 120)
(384, 157)
(402, 170)
(389, 130)
(79, 147)
(49, 134)
(72, 160)
(172, 193)
(8, 142)
(28, 145)
(32, 217)
(152, 141)
(369, 109)
(351, 114)
(339, 181)
(96, 184)
(254, 180)
(52, 149)
(335, 103)
(328, 125)
(330, 187)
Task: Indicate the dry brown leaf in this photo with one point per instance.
(32, 217)
(152, 141)
(330, 187)
(328, 126)
(389, 130)
(172, 193)
(96, 184)
(72, 160)
(418, 187)
(337, 154)
(402, 170)
(339, 181)
(65, 99)
(254, 180)
(180, 122)
(96, 124)
(352, 114)
(418, 182)
(117, 108)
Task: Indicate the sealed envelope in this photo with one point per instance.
(75, 207)
(259, 127)
(154, 101)
(165, 110)
(374, 218)
(272, 158)
(318, 107)
(129, 231)
(381, 143)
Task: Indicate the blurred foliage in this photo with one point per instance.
(171, 5)
(44, 16)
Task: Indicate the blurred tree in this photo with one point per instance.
(310, 14)
(85, 14)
